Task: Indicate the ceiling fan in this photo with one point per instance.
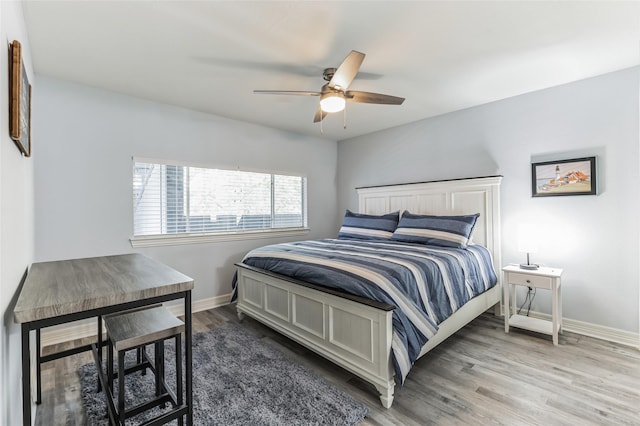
(334, 94)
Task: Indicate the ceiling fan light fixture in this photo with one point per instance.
(335, 93)
(332, 102)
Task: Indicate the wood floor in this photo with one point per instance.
(479, 376)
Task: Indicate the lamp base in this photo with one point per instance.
(530, 266)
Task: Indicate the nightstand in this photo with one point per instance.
(544, 278)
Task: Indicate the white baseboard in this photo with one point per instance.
(87, 328)
(609, 334)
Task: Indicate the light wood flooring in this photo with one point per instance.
(479, 376)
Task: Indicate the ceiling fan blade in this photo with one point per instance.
(372, 98)
(274, 67)
(288, 92)
(279, 67)
(320, 114)
(347, 71)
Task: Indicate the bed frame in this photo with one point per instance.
(354, 332)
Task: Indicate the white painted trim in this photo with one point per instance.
(213, 165)
(201, 305)
(88, 328)
(609, 334)
(179, 239)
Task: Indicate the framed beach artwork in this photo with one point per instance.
(564, 177)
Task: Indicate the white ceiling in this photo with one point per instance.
(441, 56)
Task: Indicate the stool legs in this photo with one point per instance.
(160, 380)
(140, 358)
(159, 358)
(121, 412)
(110, 366)
(109, 385)
(179, 375)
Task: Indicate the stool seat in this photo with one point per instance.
(137, 328)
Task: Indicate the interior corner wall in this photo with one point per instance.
(16, 220)
(83, 174)
(594, 238)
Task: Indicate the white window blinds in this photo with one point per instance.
(177, 199)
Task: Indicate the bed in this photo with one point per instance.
(358, 332)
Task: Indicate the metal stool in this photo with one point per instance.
(135, 330)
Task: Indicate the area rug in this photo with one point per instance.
(237, 380)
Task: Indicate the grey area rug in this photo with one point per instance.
(237, 380)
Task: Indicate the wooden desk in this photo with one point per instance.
(69, 290)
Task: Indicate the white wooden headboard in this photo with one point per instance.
(450, 197)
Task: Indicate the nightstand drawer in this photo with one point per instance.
(529, 280)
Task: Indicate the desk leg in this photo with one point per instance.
(187, 356)
(38, 367)
(99, 335)
(26, 377)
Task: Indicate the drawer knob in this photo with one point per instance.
(528, 281)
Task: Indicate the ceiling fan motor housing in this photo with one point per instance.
(328, 73)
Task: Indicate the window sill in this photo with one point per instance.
(179, 239)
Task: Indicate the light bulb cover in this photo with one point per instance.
(332, 102)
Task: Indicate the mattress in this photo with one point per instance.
(426, 284)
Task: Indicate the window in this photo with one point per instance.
(177, 199)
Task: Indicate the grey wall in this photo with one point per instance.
(594, 238)
(85, 139)
(16, 219)
(83, 174)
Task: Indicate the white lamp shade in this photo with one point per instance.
(332, 102)
(527, 238)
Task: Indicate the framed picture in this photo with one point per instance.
(20, 101)
(564, 177)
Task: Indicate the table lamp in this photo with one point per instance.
(527, 243)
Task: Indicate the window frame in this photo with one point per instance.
(215, 236)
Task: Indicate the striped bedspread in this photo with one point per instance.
(425, 283)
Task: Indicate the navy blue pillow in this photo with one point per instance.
(447, 231)
(368, 227)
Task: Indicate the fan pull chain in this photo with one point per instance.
(344, 117)
(321, 120)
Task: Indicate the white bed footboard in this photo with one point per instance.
(352, 334)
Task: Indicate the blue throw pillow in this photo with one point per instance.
(447, 231)
(368, 227)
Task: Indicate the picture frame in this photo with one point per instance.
(20, 100)
(576, 176)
